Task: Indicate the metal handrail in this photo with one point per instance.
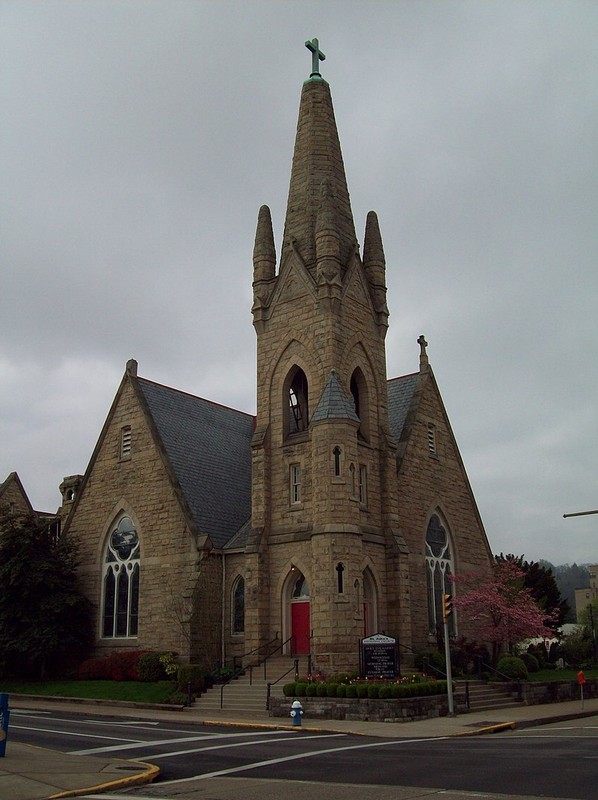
(269, 685)
(237, 670)
(482, 663)
(255, 650)
(265, 661)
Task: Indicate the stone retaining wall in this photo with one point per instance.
(557, 691)
(404, 710)
(415, 708)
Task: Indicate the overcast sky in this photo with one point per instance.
(139, 139)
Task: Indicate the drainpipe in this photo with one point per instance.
(222, 648)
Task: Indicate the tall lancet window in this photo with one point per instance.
(120, 601)
(297, 406)
(359, 390)
(439, 566)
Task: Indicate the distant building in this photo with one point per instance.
(583, 597)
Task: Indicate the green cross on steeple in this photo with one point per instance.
(316, 56)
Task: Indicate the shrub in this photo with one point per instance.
(341, 690)
(321, 689)
(331, 690)
(430, 661)
(120, 666)
(373, 690)
(513, 668)
(191, 674)
(362, 690)
(178, 698)
(150, 668)
(288, 689)
(311, 689)
(300, 688)
(385, 691)
(531, 662)
(351, 690)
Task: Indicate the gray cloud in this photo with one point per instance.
(140, 138)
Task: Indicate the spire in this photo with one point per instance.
(264, 251)
(317, 158)
(264, 266)
(374, 265)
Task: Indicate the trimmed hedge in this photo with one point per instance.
(364, 689)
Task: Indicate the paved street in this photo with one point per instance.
(552, 761)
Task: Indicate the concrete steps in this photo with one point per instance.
(248, 693)
(484, 696)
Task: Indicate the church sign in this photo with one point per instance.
(379, 657)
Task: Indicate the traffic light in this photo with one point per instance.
(447, 606)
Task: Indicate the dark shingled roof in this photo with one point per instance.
(209, 448)
(334, 404)
(400, 394)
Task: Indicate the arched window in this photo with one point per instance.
(297, 411)
(300, 587)
(120, 600)
(369, 604)
(439, 566)
(359, 390)
(238, 605)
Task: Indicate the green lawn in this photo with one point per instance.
(137, 691)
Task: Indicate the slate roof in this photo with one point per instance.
(334, 404)
(400, 394)
(209, 449)
(208, 446)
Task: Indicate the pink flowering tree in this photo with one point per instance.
(498, 609)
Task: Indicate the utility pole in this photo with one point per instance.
(580, 513)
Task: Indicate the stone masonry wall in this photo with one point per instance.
(139, 486)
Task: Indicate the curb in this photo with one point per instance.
(501, 726)
(150, 774)
(95, 702)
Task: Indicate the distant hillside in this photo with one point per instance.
(569, 577)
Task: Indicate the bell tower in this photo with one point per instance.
(324, 502)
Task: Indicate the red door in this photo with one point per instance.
(300, 627)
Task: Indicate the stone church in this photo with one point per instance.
(337, 512)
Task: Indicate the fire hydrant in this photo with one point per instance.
(296, 712)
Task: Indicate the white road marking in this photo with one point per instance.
(230, 745)
(83, 735)
(158, 742)
(297, 757)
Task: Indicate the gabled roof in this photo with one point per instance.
(209, 450)
(14, 480)
(400, 396)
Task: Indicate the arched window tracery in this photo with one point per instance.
(439, 567)
(120, 584)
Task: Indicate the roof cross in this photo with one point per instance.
(316, 56)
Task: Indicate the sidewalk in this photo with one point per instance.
(33, 773)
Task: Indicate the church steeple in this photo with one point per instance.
(317, 159)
